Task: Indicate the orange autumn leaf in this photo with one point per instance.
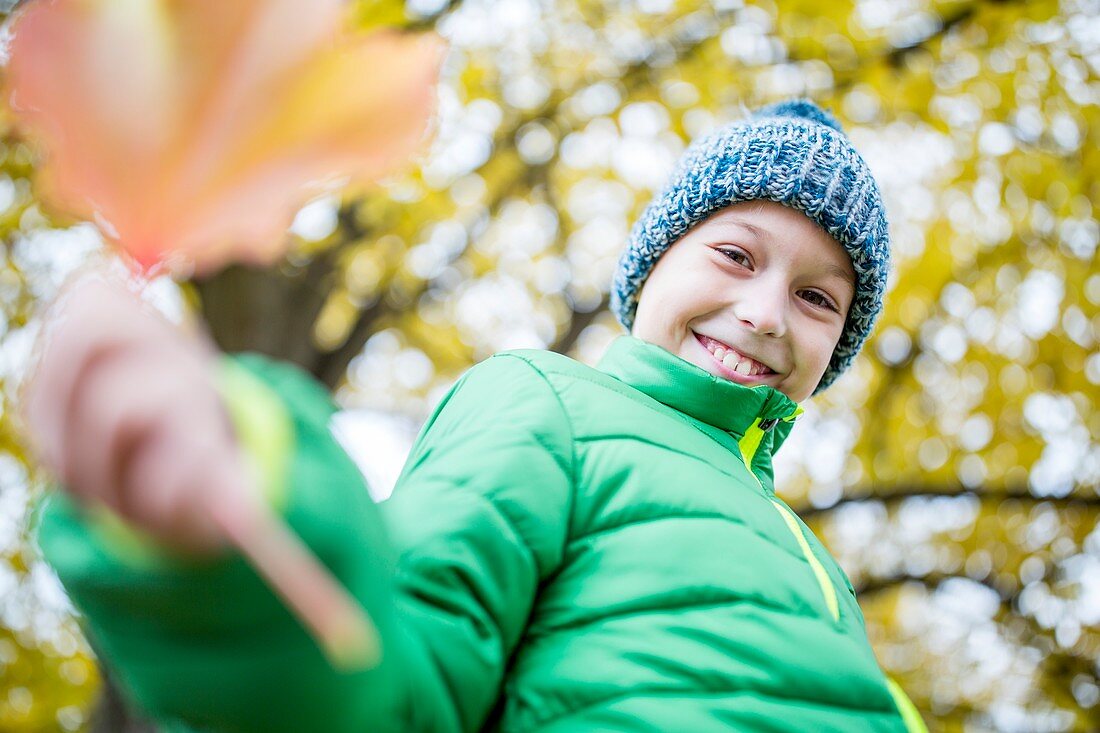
(193, 131)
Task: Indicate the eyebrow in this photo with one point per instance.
(762, 234)
(831, 268)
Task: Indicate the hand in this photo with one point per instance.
(123, 409)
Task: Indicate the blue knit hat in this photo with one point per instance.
(794, 153)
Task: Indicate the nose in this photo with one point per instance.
(761, 306)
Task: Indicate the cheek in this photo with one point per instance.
(816, 345)
(658, 306)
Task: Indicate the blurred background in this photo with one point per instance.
(953, 471)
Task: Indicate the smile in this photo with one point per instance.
(733, 363)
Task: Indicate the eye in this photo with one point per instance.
(818, 299)
(737, 255)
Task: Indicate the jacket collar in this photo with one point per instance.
(687, 388)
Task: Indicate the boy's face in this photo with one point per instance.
(757, 293)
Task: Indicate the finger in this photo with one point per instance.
(89, 319)
(104, 414)
(166, 486)
(122, 396)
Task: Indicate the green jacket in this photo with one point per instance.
(567, 549)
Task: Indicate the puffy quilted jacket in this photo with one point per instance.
(568, 549)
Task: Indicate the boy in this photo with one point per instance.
(567, 548)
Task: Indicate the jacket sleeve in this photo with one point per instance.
(447, 570)
(480, 517)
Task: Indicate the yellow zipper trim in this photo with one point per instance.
(827, 588)
(748, 445)
(752, 438)
(750, 442)
(908, 710)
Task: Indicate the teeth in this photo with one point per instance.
(735, 362)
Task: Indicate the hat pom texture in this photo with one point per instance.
(793, 153)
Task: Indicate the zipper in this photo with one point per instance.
(748, 445)
(828, 590)
(752, 438)
(909, 714)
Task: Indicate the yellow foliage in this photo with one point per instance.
(991, 328)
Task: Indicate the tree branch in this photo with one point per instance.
(895, 495)
(580, 321)
(330, 367)
(429, 22)
(897, 55)
(932, 581)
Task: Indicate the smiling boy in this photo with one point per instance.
(568, 549)
(757, 294)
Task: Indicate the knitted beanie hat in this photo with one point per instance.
(794, 153)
